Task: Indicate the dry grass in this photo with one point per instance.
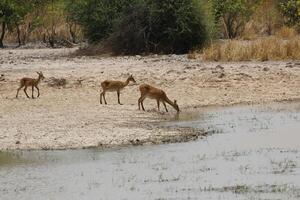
(286, 32)
(92, 50)
(262, 49)
(192, 55)
(57, 82)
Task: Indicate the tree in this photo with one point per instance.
(291, 11)
(142, 26)
(72, 17)
(6, 16)
(97, 17)
(160, 27)
(32, 19)
(233, 15)
(266, 18)
(12, 12)
(21, 9)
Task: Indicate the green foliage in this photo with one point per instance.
(12, 12)
(212, 28)
(140, 26)
(291, 11)
(233, 14)
(137, 26)
(97, 16)
(6, 11)
(159, 26)
(130, 34)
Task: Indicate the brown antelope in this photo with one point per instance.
(114, 86)
(33, 83)
(151, 92)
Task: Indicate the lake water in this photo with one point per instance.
(254, 153)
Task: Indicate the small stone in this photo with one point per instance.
(266, 69)
(18, 142)
(221, 75)
(219, 67)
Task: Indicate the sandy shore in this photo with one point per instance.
(70, 116)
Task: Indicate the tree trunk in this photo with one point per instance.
(2, 34)
(225, 28)
(19, 35)
(26, 33)
(72, 33)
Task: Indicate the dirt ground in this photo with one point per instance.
(68, 113)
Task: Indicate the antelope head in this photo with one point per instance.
(41, 76)
(176, 106)
(130, 78)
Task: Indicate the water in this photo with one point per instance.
(253, 154)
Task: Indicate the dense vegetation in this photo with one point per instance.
(144, 26)
(141, 26)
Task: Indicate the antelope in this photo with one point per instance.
(148, 91)
(114, 86)
(30, 82)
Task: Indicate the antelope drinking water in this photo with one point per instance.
(148, 91)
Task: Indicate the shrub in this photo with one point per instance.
(286, 32)
(144, 26)
(160, 27)
(291, 11)
(232, 15)
(130, 34)
(265, 20)
(97, 17)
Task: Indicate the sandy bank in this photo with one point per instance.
(70, 116)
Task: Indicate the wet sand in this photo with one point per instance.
(70, 116)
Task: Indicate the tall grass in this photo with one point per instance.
(262, 49)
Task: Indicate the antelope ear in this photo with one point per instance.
(38, 73)
(175, 101)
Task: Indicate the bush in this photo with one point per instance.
(130, 33)
(144, 26)
(97, 17)
(291, 11)
(159, 27)
(232, 15)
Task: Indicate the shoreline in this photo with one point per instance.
(68, 114)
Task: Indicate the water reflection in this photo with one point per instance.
(10, 158)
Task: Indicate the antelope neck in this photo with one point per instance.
(169, 102)
(126, 82)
